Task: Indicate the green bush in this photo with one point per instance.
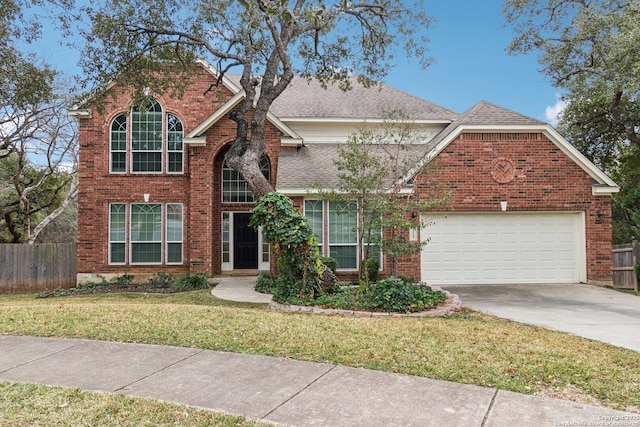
(265, 283)
(162, 280)
(331, 263)
(372, 267)
(637, 267)
(191, 282)
(301, 271)
(123, 281)
(398, 295)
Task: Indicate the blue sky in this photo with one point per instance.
(468, 43)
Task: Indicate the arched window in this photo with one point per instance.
(119, 144)
(148, 135)
(235, 189)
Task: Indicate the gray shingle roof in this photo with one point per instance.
(313, 165)
(308, 99)
(486, 114)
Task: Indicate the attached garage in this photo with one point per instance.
(504, 248)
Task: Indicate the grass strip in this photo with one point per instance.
(467, 347)
(36, 405)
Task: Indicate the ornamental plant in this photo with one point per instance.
(302, 273)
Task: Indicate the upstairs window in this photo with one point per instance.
(152, 139)
(235, 189)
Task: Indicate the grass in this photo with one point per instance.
(34, 405)
(467, 347)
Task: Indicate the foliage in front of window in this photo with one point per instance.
(370, 270)
(371, 166)
(331, 263)
(301, 271)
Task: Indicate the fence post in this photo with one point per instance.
(636, 260)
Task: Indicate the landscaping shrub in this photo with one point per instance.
(162, 280)
(372, 267)
(398, 295)
(265, 283)
(124, 280)
(191, 282)
(331, 263)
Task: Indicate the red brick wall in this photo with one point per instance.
(545, 180)
(198, 188)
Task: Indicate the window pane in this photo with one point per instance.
(119, 144)
(117, 222)
(146, 253)
(175, 162)
(343, 223)
(147, 162)
(146, 223)
(146, 137)
(174, 253)
(235, 188)
(174, 143)
(226, 230)
(117, 254)
(118, 162)
(117, 233)
(345, 255)
(313, 211)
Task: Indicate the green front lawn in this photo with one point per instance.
(466, 347)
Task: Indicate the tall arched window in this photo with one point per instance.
(235, 189)
(146, 138)
(148, 135)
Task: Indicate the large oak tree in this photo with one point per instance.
(589, 50)
(144, 44)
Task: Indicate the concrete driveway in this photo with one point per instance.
(584, 310)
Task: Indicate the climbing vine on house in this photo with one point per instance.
(301, 271)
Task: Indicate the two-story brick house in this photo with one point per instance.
(155, 194)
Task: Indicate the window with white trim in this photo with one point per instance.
(147, 137)
(154, 233)
(235, 189)
(174, 233)
(146, 233)
(314, 213)
(117, 233)
(343, 234)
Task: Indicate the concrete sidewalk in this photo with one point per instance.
(282, 391)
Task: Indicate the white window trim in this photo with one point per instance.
(321, 242)
(226, 266)
(166, 144)
(166, 234)
(329, 244)
(126, 144)
(110, 262)
(131, 242)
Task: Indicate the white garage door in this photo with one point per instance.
(504, 248)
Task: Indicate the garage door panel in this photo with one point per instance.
(504, 248)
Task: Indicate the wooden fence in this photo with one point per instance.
(35, 268)
(625, 257)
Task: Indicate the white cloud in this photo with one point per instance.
(553, 113)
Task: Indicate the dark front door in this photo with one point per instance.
(245, 243)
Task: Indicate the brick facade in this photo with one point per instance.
(198, 188)
(544, 179)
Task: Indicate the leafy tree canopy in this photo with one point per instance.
(590, 50)
(134, 42)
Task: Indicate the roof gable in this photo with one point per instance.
(487, 117)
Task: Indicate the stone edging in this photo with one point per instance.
(450, 305)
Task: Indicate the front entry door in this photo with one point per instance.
(245, 242)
